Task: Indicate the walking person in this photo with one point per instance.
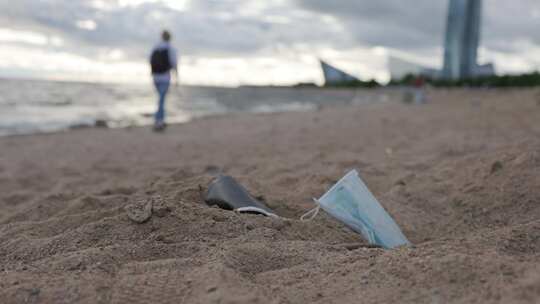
(419, 90)
(163, 60)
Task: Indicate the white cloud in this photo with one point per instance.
(9, 35)
(235, 41)
(89, 25)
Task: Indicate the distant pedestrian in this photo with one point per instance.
(163, 60)
(419, 94)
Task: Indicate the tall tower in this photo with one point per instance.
(462, 39)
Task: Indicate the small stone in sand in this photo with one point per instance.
(34, 291)
(140, 211)
(354, 246)
(496, 166)
(212, 170)
(160, 207)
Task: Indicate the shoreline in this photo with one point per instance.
(28, 111)
(196, 102)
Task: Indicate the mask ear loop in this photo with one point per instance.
(311, 214)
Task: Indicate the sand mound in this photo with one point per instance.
(473, 225)
(473, 213)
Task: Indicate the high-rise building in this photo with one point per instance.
(462, 39)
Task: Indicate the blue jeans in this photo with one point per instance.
(162, 88)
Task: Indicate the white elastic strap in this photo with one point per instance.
(257, 210)
(311, 214)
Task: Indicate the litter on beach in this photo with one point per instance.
(226, 193)
(351, 202)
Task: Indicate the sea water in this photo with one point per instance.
(32, 106)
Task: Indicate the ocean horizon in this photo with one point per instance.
(42, 106)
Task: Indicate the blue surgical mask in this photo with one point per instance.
(351, 202)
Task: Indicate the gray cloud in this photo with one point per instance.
(207, 28)
(507, 22)
(392, 23)
(246, 27)
(416, 24)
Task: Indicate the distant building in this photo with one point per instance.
(399, 68)
(333, 75)
(485, 70)
(462, 40)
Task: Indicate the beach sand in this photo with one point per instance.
(460, 175)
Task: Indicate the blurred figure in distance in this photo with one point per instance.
(163, 60)
(419, 90)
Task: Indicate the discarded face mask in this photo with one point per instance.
(226, 193)
(351, 202)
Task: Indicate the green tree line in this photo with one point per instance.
(495, 81)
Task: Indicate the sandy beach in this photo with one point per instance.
(460, 175)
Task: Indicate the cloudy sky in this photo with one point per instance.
(230, 42)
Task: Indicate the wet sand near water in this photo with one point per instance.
(115, 216)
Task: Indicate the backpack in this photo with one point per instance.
(160, 61)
